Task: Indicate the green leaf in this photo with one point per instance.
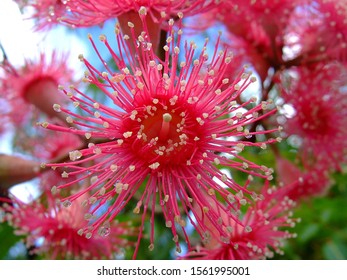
(8, 240)
(335, 249)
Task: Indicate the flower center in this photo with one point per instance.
(164, 132)
(161, 127)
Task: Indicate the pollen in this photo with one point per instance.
(57, 108)
(127, 134)
(154, 166)
(132, 167)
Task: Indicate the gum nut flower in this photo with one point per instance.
(92, 12)
(46, 13)
(167, 127)
(320, 113)
(54, 231)
(261, 24)
(260, 233)
(270, 14)
(15, 170)
(37, 83)
(318, 31)
(98, 11)
(300, 184)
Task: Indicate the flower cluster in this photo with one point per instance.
(54, 231)
(260, 234)
(320, 115)
(176, 136)
(34, 85)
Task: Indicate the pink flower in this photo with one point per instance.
(297, 184)
(55, 231)
(47, 13)
(92, 12)
(269, 13)
(318, 31)
(86, 13)
(259, 233)
(35, 83)
(81, 13)
(261, 24)
(320, 104)
(163, 132)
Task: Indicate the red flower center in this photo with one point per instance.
(164, 131)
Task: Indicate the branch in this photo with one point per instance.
(3, 52)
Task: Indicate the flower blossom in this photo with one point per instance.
(81, 13)
(166, 128)
(85, 13)
(54, 231)
(262, 25)
(34, 83)
(320, 113)
(47, 13)
(297, 184)
(261, 233)
(317, 32)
